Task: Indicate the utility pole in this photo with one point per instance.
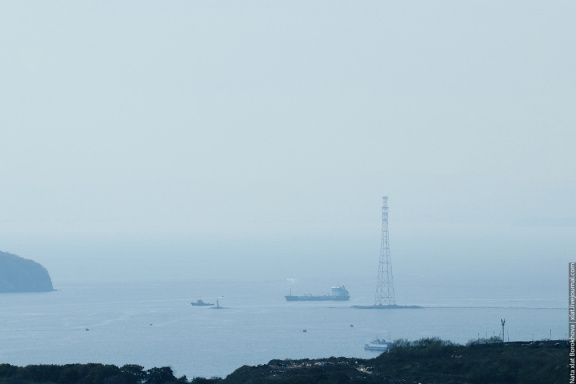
(384, 282)
(503, 321)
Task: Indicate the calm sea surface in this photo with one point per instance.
(154, 325)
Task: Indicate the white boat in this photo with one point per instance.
(379, 345)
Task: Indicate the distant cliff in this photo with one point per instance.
(22, 275)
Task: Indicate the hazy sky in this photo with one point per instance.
(190, 139)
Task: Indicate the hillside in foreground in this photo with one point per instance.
(426, 361)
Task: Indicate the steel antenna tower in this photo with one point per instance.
(385, 283)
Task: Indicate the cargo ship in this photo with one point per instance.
(338, 294)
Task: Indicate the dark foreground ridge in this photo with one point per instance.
(22, 275)
(426, 361)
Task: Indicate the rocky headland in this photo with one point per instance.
(22, 275)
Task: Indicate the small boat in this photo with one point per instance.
(379, 345)
(200, 303)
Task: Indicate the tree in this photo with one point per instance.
(134, 373)
(160, 375)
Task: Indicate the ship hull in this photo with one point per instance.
(338, 294)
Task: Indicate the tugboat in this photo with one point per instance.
(379, 345)
(338, 294)
(200, 303)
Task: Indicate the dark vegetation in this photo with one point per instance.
(430, 361)
(22, 275)
(92, 374)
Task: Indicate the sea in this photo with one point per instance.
(152, 324)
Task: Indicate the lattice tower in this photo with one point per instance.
(385, 282)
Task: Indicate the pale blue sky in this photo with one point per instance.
(253, 133)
